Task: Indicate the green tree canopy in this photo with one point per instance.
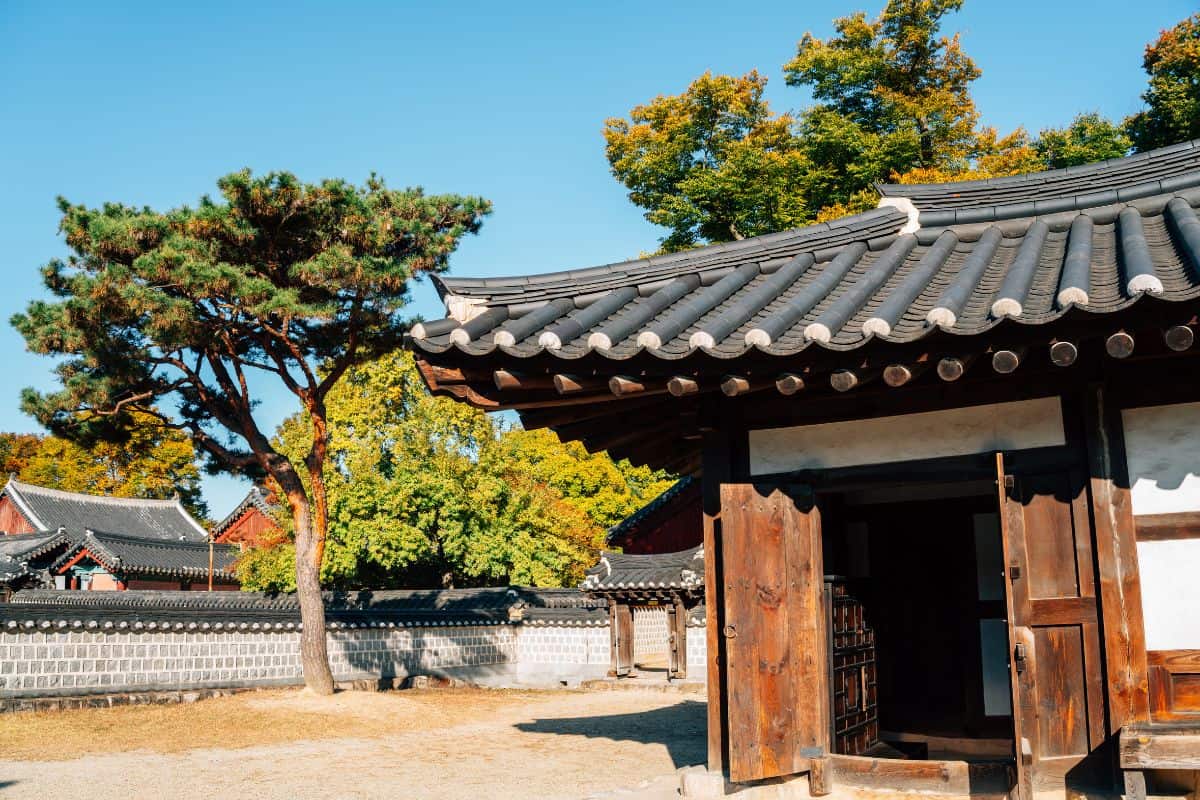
(16, 451)
(1090, 137)
(153, 462)
(1172, 112)
(181, 315)
(424, 490)
(892, 102)
(711, 164)
(896, 76)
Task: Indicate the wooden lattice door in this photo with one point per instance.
(854, 691)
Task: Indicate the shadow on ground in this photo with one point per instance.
(680, 728)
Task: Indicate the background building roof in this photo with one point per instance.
(49, 509)
(135, 555)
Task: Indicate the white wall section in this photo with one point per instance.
(1019, 425)
(1162, 445)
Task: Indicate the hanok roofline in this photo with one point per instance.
(254, 499)
(133, 555)
(1027, 266)
(621, 573)
(50, 509)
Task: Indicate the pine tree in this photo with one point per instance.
(179, 316)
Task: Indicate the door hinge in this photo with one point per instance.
(1019, 657)
(1014, 572)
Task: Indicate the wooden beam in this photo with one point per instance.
(820, 777)
(734, 385)
(951, 368)
(843, 380)
(623, 385)
(1179, 337)
(680, 386)
(1119, 345)
(789, 383)
(897, 375)
(511, 381)
(1168, 527)
(1063, 353)
(1161, 746)
(572, 384)
(568, 414)
(1006, 361)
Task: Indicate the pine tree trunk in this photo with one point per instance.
(314, 652)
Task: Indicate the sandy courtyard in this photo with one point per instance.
(417, 744)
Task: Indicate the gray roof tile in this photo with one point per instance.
(725, 301)
(149, 519)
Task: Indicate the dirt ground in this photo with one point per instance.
(424, 745)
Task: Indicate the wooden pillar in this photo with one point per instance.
(715, 471)
(1117, 565)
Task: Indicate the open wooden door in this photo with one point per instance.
(621, 642)
(777, 655)
(1058, 705)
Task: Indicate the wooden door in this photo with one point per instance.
(777, 654)
(1058, 706)
(621, 633)
(676, 640)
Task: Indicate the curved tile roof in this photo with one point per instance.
(840, 285)
(1135, 177)
(48, 608)
(142, 556)
(621, 571)
(148, 519)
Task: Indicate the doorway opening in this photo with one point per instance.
(921, 570)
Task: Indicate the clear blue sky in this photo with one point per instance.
(147, 103)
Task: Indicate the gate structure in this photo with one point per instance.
(672, 580)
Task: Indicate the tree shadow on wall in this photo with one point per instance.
(680, 728)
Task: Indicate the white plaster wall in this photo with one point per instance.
(1018, 425)
(1162, 445)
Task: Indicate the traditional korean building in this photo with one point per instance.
(102, 542)
(97, 561)
(670, 523)
(252, 521)
(977, 405)
(25, 559)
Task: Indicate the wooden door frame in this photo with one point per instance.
(1092, 424)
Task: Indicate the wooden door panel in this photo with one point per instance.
(775, 631)
(1059, 668)
(1055, 633)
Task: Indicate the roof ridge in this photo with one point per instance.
(1089, 168)
(154, 542)
(22, 486)
(868, 224)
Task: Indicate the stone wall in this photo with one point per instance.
(38, 663)
(63, 643)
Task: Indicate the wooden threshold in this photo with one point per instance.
(960, 778)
